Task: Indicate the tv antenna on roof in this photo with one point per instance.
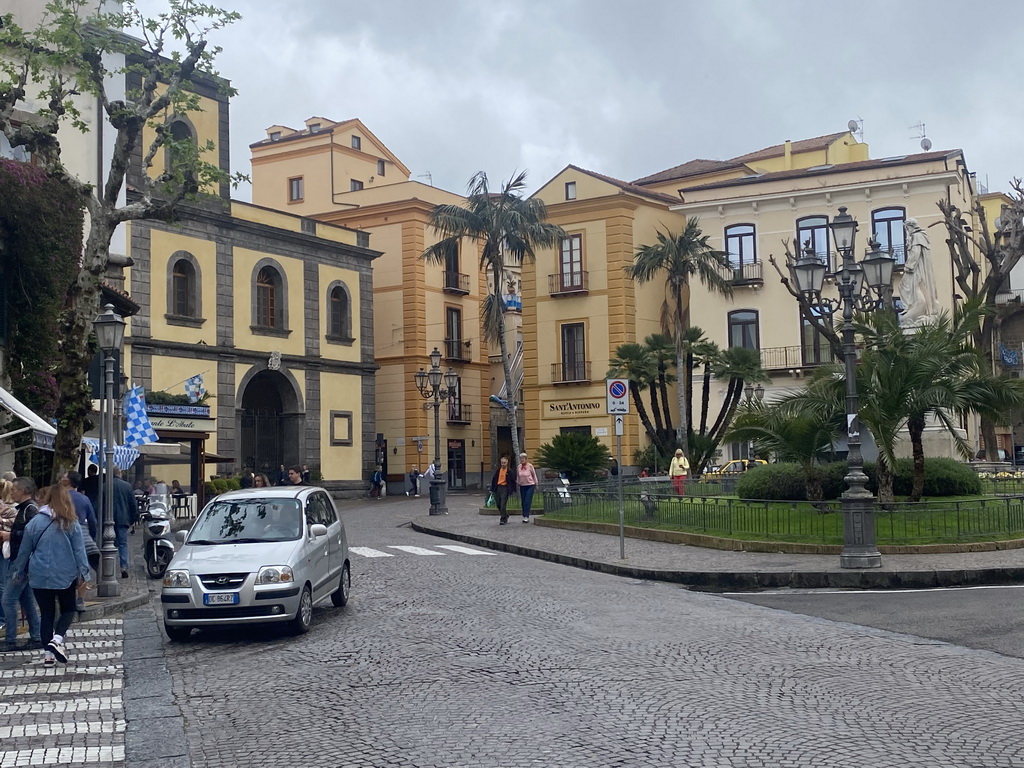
(428, 177)
(856, 127)
(926, 143)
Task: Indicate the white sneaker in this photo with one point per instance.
(48, 660)
(57, 649)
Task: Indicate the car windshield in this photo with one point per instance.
(239, 521)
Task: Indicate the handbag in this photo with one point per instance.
(489, 504)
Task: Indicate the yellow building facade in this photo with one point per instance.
(274, 311)
(341, 173)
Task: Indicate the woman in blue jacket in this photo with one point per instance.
(52, 557)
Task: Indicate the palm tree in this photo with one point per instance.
(635, 363)
(509, 228)
(681, 257)
(783, 431)
(663, 352)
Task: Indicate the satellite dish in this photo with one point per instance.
(853, 126)
(926, 143)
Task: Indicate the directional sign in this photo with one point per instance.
(618, 425)
(618, 395)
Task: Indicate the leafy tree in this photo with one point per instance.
(509, 228)
(74, 52)
(579, 456)
(681, 257)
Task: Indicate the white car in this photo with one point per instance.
(260, 555)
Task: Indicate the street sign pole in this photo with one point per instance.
(618, 405)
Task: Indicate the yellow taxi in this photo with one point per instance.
(733, 468)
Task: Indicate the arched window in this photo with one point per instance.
(339, 313)
(184, 291)
(183, 147)
(813, 231)
(741, 244)
(887, 226)
(268, 289)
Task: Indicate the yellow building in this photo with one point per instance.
(751, 206)
(274, 310)
(340, 173)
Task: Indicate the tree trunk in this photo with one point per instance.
(885, 477)
(812, 483)
(915, 426)
(641, 411)
(506, 366)
(682, 436)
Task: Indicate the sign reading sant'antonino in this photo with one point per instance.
(573, 409)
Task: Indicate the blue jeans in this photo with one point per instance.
(14, 594)
(121, 540)
(526, 496)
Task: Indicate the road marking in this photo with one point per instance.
(62, 756)
(416, 550)
(61, 706)
(59, 729)
(778, 593)
(56, 687)
(367, 552)
(464, 550)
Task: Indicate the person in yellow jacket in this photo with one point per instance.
(678, 470)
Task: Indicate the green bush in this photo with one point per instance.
(579, 456)
(942, 477)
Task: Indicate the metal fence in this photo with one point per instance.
(794, 521)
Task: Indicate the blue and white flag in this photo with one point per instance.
(137, 429)
(1010, 356)
(194, 388)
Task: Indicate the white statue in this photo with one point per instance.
(917, 287)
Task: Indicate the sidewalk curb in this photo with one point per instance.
(720, 581)
(114, 606)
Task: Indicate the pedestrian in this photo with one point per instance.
(247, 479)
(282, 476)
(678, 469)
(295, 475)
(52, 560)
(87, 519)
(15, 594)
(526, 479)
(305, 475)
(126, 514)
(414, 482)
(503, 483)
(91, 487)
(261, 481)
(428, 475)
(176, 489)
(7, 514)
(376, 483)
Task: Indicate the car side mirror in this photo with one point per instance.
(318, 530)
(180, 536)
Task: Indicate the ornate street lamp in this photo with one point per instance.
(109, 329)
(429, 384)
(862, 288)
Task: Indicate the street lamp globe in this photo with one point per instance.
(878, 266)
(844, 230)
(809, 272)
(435, 359)
(109, 328)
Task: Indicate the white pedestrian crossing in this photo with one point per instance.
(55, 715)
(419, 551)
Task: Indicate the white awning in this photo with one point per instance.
(43, 433)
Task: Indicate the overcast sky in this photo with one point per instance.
(628, 88)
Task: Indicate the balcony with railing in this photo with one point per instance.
(784, 358)
(456, 282)
(571, 372)
(460, 413)
(747, 273)
(569, 283)
(457, 349)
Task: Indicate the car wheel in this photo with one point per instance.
(340, 596)
(156, 566)
(178, 634)
(304, 616)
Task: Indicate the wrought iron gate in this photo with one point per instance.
(262, 446)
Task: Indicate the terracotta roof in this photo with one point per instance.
(625, 186)
(819, 170)
(699, 167)
(691, 168)
(119, 298)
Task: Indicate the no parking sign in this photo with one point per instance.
(618, 395)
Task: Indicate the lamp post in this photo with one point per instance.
(109, 328)
(429, 384)
(862, 287)
(752, 394)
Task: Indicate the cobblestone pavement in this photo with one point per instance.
(458, 659)
(69, 715)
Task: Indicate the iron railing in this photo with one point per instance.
(570, 372)
(777, 358)
(793, 521)
(564, 283)
(456, 282)
(457, 349)
(460, 413)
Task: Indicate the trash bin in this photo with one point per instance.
(435, 494)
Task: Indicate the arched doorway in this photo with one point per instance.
(270, 421)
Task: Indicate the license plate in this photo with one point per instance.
(221, 598)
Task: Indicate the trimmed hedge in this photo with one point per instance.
(785, 482)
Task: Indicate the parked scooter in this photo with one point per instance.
(157, 537)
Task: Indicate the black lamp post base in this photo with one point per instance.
(438, 502)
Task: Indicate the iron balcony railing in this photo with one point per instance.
(781, 358)
(460, 413)
(457, 349)
(456, 282)
(570, 372)
(749, 273)
(568, 283)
